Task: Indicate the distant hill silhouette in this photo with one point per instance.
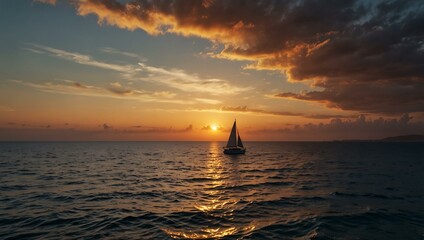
(402, 138)
(405, 138)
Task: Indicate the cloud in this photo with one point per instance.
(114, 91)
(364, 55)
(208, 101)
(79, 58)
(367, 97)
(103, 132)
(174, 78)
(212, 127)
(6, 109)
(52, 2)
(245, 109)
(150, 129)
(207, 127)
(179, 79)
(123, 53)
(189, 128)
(359, 128)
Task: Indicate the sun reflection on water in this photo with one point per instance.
(218, 203)
(209, 233)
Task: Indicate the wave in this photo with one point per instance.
(191, 190)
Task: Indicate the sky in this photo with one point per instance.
(295, 70)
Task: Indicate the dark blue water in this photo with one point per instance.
(165, 190)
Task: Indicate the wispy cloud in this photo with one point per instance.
(114, 91)
(173, 78)
(179, 79)
(208, 101)
(78, 58)
(245, 109)
(101, 132)
(123, 53)
(6, 109)
(52, 2)
(151, 129)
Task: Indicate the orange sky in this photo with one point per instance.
(140, 70)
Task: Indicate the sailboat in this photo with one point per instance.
(234, 145)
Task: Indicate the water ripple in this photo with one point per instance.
(153, 190)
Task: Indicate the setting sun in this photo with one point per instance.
(214, 127)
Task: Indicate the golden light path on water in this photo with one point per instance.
(218, 204)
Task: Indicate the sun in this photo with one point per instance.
(214, 127)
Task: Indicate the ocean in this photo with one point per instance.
(191, 190)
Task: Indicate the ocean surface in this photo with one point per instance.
(191, 190)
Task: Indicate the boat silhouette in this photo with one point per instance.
(234, 144)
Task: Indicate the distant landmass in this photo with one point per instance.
(402, 138)
(405, 138)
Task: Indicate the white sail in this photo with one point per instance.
(232, 141)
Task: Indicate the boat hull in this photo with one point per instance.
(234, 151)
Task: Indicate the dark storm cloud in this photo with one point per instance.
(367, 96)
(364, 55)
